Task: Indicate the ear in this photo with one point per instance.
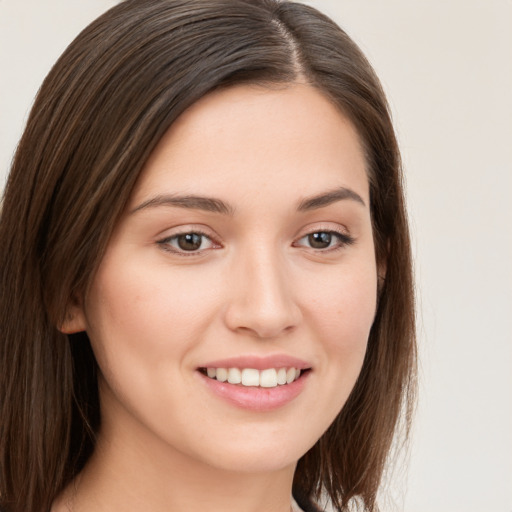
(74, 320)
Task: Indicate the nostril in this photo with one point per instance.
(264, 324)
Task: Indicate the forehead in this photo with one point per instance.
(251, 138)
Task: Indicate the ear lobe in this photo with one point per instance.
(74, 320)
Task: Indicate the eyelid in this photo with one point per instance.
(185, 230)
(345, 238)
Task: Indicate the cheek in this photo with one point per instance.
(144, 321)
(344, 305)
(144, 311)
(341, 313)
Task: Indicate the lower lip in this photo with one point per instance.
(256, 398)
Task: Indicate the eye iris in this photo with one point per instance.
(320, 240)
(189, 241)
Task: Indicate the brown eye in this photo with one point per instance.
(320, 240)
(325, 240)
(189, 241)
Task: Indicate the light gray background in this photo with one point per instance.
(447, 68)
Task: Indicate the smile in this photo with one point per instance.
(251, 377)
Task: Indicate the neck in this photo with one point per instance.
(132, 473)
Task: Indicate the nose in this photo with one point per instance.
(262, 301)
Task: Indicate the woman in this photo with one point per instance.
(205, 272)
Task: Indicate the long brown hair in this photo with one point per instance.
(97, 117)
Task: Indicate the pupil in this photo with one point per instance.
(189, 242)
(320, 240)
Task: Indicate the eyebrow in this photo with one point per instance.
(193, 202)
(211, 204)
(325, 199)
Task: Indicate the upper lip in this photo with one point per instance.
(259, 362)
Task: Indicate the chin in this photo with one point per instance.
(259, 452)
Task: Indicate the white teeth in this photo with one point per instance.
(222, 374)
(234, 376)
(290, 375)
(268, 378)
(281, 376)
(250, 377)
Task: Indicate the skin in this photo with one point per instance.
(255, 287)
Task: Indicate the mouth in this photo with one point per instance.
(256, 383)
(252, 377)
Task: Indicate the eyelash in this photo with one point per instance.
(165, 243)
(343, 240)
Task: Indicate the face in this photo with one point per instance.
(246, 254)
